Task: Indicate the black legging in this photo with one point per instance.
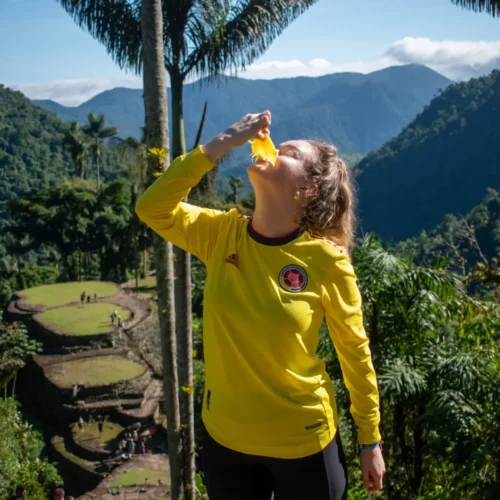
(230, 475)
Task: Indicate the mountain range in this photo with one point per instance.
(355, 111)
(442, 162)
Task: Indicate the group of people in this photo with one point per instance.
(131, 444)
(59, 494)
(86, 298)
(116, 317)
(100, 424)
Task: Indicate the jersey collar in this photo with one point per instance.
(273, 242)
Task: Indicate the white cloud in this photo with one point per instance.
(72, 92)
(314, 67)
(448, 53)
(456, 60)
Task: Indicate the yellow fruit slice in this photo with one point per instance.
(264, 149)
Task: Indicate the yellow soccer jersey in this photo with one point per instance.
(265, 299)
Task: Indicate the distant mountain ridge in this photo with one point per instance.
(355, 111)
(442, 162)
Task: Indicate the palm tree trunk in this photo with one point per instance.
(79, 265)
(155, 101)
(498, 474)
(418, 444)
(98, 173)
(399, 431)
(374, 324)
(183, 312)
(136, 278)
(135, 234)
(178, 139)
(82, 166)
(14, 385)
(19, 273)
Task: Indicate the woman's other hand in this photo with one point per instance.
(250, 126)
(372, 469)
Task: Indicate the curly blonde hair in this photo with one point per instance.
(330, 214)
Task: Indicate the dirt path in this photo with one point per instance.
(140, 307)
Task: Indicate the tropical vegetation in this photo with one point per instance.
(441, 163)
(431, 303)
(435, 351)
(21, 456)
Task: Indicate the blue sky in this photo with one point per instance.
(41, 45)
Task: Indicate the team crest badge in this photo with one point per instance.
(293, 278)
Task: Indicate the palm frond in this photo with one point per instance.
(230, 36)
(114, 23)
(74, 141)
(401, 380)
(108, 132)
(446, 285)
(200, 128)
(8, 366)
(375, 265)
(425, 310)
(491, 7)
(463, 370)
(452, 407)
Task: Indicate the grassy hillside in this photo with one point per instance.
(441, 163)
(31, 155)
(30, 151)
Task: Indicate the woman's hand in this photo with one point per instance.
(250, 126)
(372, 469)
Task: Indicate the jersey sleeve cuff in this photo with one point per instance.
(369, 436)
(201, 159)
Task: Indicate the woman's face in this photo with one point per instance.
(288, 174)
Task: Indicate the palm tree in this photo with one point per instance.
(96, 132)
(155, 104)
(492, 7)
(201, 39)
(134, 158)
(77, 145)
(15, 347)
(236, 184)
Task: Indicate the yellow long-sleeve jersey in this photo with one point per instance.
(265, 299)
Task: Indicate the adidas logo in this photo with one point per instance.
(233, 259)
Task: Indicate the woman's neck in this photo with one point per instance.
(272, 219)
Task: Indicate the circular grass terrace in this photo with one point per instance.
(82, 319)
(139, 476)
(89, 437)
(94, 371)
(59, 294)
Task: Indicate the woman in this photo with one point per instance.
(269, 409)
